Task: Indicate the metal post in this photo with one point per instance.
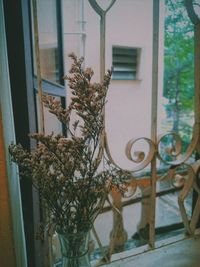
(102, 13)
(102, 45)
(38, 66)
(196, 21)
(154, 119)
(197, 75)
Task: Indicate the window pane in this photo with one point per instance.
(48, 40)
(51, 123)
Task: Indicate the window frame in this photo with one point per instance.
(23, 93)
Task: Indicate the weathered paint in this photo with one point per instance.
(7, 252)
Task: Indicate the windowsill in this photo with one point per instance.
(127, 80)
(180, 253)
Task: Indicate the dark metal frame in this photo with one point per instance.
(23, 90)
(20, 69)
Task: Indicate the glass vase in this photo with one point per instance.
(74, 249)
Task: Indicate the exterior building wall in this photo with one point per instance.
(128, 23)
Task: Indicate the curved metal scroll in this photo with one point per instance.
(100, 10)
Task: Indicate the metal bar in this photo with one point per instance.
(197, 75)
(100, 245)
(38, 66)
(50, 88)
(102, 13)
(155, 52)
(60, 40)
(196, 21)
(102, 45)
(191, 12)
(136, 200)
(74, 33)
(154, 120)
(48, 245)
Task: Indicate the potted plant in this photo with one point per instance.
(72, 173)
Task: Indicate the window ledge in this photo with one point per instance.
(181, 253)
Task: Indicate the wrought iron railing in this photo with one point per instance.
(174, 150)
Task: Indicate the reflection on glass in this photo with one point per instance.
(51, 123)
(48, 39)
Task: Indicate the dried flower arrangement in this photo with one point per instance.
(66, 170)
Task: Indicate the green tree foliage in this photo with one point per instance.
(179, 67)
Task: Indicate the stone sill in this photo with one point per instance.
(178, 251)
